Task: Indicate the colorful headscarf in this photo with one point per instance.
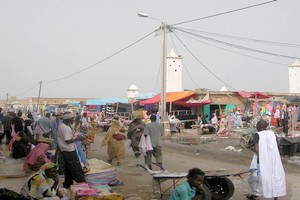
(32, 157)
(47, 165)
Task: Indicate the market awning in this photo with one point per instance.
(243, 94)
(170, 97)
(258, 95)
(253, 95)
(105, 101)
(192, 102)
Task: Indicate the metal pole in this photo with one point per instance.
(6, 102)
(38, 100)
(164, 74)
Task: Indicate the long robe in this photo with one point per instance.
(115, 148)
(271, 172)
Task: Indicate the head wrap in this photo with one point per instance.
(67, 115)
(47, 165)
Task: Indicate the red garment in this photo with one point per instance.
(39, 150)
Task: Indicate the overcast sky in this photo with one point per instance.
(92, 44)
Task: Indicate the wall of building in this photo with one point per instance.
(294, 79)
(174, 73)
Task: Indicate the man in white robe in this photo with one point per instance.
(268, 177)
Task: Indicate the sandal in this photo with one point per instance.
(252, 197)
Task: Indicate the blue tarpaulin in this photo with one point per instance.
(106, 101)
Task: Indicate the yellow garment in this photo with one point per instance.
(92, 131)
(115, 148)
(106, 197)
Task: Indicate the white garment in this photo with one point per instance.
(271, 173)
(145, 144)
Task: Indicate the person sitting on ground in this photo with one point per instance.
(20, 145)
(28, 128)
(214, 120)
(44, 184)
(37, 157)
(204, 121)
(191, 189)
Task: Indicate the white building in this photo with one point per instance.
(174, 72)
(294, 77)
(132, 92)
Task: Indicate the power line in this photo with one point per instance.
(234, 51)
(184, 64)
(238, 46)
(45, 88)
(28, 90)
(93, 65)
(211, 72)
(245, 39)
(223, 13)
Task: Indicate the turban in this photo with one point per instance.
(67, 115)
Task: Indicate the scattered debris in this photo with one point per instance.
(231, 148)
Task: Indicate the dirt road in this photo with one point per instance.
(205, 153)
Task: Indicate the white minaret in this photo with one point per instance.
(294, 77)
(132, 92)
(174, 72)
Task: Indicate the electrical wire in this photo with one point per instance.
(157, 78)
(223, 13)
(27, 90)
(186, 69)
(93, 65)
(238, 46)
(47, 89)
(211, 72)
(235, 52)
(244, 38)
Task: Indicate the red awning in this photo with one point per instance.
(192, 105)
(170, 97)
(192, 102)
(258, 95)
(253, 95)
(243, 94)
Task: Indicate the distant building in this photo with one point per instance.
(132, 92)
(294, 77)
(174, 73)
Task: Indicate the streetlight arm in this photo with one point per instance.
(140, 14)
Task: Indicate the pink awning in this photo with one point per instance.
(253, 95)
(258, 95)
(243, 94)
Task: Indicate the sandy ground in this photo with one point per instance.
(180, 153)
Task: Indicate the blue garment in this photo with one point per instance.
(183, 192)
(54, 131)
(80, 152)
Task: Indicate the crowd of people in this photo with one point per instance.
(69, 136)
(49, 141)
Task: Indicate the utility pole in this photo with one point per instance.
(38, 100)
(163, 74)
(163, 94)
(6, 102)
